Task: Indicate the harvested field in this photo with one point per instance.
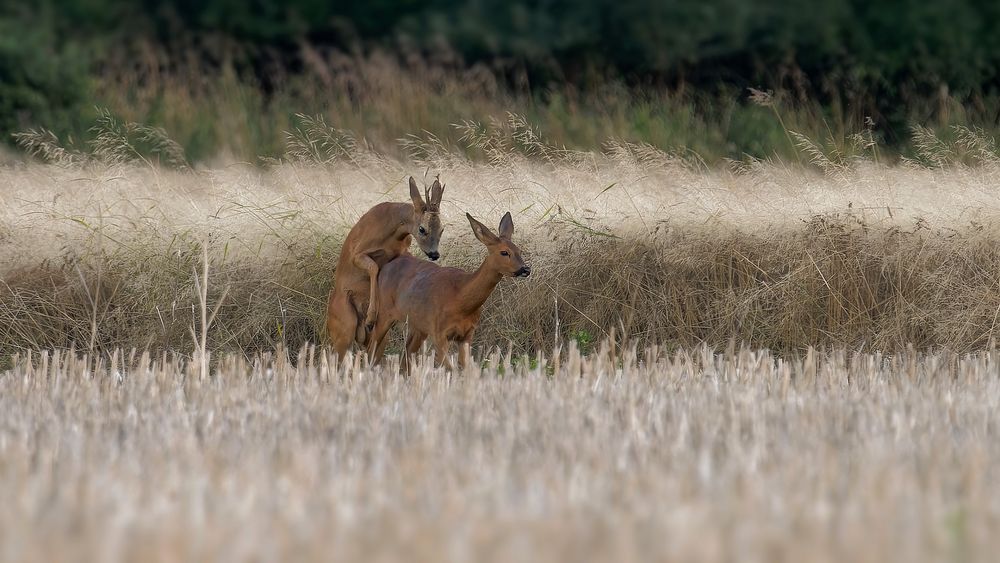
(613, 456)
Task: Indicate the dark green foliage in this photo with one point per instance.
(40, 82)
(898, 62)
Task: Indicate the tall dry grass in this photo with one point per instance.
(221, 114)
(619, 455)
(655, 245)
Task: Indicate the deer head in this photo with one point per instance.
(504, 256)
(427, 217)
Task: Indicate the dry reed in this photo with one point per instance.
(653, 244)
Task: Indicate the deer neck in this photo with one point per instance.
(478, 287)
(410, 217)
(406, 221)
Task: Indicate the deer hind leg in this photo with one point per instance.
(377, 340)
(441, 352)
(413, 342)
(341, 322)
(362, 332)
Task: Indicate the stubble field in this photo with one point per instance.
(631, 457)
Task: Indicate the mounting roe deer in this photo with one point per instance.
(443, 303)
(380, 235)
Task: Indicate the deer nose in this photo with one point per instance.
(433, 255)
(524, 272)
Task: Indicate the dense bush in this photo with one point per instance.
(895, 45)
(899, 62)
(40, 82)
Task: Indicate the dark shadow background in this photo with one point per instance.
(897, 62)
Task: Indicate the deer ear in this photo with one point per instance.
(418, 202)
(482, 232)
(506, 226)
(437, 192)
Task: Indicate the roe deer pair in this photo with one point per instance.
(380, 235)
(442, 303)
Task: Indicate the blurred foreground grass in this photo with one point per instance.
(625, 455)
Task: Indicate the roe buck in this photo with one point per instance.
(439, 302)
(380, 235)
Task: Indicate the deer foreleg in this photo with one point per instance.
(413, 342)
(465, 351)
(363, 261)
(441, 352)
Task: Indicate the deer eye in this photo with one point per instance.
(504, 253)
(423, 231)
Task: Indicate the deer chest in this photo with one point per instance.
(462, 329)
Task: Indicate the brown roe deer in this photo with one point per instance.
(380, 235)
(442, 303)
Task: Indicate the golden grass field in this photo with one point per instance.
(763, 363)
(870, 257)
